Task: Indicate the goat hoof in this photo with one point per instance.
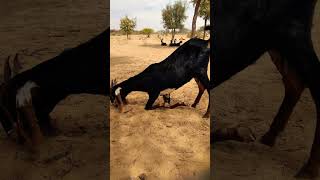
(193, 105)
(268, 140)
(307, 172)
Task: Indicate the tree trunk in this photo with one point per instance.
(204, 28)
(195, 16)
(173, 33)
(127, 35)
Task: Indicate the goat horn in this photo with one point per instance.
(16, 64)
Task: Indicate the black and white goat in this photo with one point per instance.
(188, 61)
(244, 30)
(163, 43)
(27, 99)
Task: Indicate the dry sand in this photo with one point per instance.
(252, 98)
(40, 30)
(164, 143)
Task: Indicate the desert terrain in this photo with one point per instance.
(39, 30)
(252, 98)
(162, 143)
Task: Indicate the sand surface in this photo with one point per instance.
(40, 30)
(163, 143)
(252, 98)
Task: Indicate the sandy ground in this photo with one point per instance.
(164, 143)
(252, 98)
(39, 30)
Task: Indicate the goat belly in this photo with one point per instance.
(167, 91)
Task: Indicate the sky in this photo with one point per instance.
(147, 12)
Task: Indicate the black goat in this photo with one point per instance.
(187, 62)
(175, 44)
(163, 43)
(244, 30)
(34, 93)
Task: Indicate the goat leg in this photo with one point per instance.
(200, 93)
(293, 89)
(30, 127)
(119, 103)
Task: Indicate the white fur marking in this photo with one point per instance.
(117, 92)
(24, 96)
(167, 91)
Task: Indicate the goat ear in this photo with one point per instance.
(7, 70)
(16, 64)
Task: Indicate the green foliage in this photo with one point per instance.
(204, 10)
(173, 16)
(147, 31)
(127, 25)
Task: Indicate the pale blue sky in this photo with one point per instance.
(147, 12)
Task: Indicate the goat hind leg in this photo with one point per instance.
(311, 168)
(204, 80)
(293, 89)
(200, 93)
(304, 59)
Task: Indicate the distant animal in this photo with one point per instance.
(175, 44)
(163, 43)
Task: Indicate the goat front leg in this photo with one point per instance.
(152, 98)
(293, 89)
(28, 127)
(48, 126)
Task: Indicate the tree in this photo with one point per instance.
(195, 16)
(173, 16)
(127, 25)
(147, 31)
(204, 12)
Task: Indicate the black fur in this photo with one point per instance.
(83, 69)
